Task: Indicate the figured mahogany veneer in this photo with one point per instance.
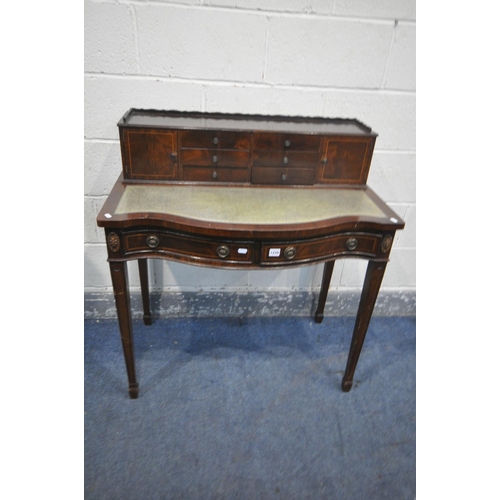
(245, 192)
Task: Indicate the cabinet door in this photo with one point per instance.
(346, 160)
(150, 154)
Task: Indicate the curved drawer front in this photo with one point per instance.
(355, 244)
(188, 248)
(219, 252)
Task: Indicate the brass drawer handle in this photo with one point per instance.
(287, 143)
(214, 175)
(285, 160)
(215, 158)
(215, 140)
(284, 177)
(290, 253)
(223, 251)
(351, 244)
(153, 241)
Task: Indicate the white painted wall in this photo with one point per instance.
(332, 58)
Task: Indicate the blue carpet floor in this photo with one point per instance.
(250, 409)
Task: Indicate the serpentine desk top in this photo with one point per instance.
(256, 211)
(247, 205)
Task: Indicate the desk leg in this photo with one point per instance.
(325, 285)
(143, 275)
(122, 299)
(371, 286)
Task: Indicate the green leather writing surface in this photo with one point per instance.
(245, 205)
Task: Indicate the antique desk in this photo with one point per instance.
(245, 192)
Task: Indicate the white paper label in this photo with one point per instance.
(274, 252)
(243, 251)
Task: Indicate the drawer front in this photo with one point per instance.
(292, 142)
(332, 246)
(214, 139)
(215, 158)
(346, 160)
(149, 154)
(215, 174)
(283, 176)
(289, 159)
(190, 248)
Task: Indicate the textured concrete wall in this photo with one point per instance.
(301, 57)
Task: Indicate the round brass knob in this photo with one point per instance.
(287, 143)
(215, 140)
(285, 160)
(153, 241)
(290, 253)
(284, 177)
(223, 251)
(351, 244)
(214, 174)
(215, 158)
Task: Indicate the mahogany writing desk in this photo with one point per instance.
(245, 192)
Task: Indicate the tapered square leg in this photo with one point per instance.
(119, 278)
(325, 285)
(373, 279)
(143, 276)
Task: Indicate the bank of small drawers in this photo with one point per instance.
(245, 157)
(215, 156)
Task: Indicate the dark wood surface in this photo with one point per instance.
(171, 148)
(165, 146)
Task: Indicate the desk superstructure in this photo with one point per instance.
(245, 192)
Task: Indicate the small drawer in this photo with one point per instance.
(289, 159)
(214, 158)
(284, 176)
(292, 142)
(201, 139)
(215, 174)
(355, 244)
(190, 248)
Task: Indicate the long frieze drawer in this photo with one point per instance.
(291, 142)
(345, 244)
(290, 159)
(209, 157)
(192, 247)
(215, 174)
(284, 176)
(215, 139)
